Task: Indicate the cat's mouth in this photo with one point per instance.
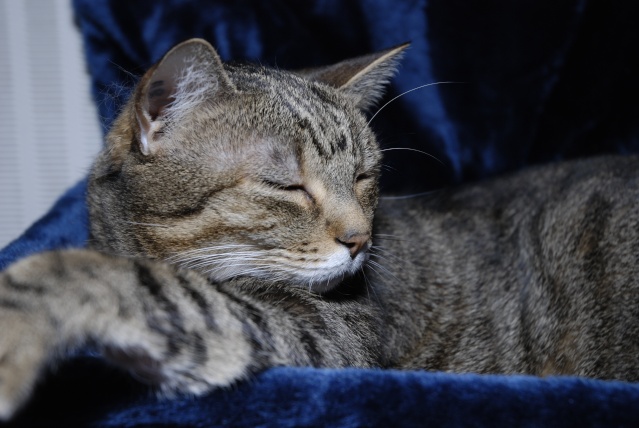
(335, 272)
(318, 275)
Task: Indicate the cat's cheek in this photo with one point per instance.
(367, 195)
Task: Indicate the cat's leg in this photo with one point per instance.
(137, 312)
(170, 327)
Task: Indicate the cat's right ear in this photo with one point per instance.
(189, 74)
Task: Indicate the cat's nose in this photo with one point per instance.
(355, 242)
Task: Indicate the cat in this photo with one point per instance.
(233, 215)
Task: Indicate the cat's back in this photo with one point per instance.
(556, 208)
(559, 182)
(540, 267)
(560, 188)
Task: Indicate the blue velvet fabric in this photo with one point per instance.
(85, 392)
(542, 81)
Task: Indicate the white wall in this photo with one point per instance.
(49, 130)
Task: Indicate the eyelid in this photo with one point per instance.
(289, 188)
(281, 186)
(294, 187)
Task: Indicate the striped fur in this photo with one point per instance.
(232, 230)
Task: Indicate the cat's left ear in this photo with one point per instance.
(362, 78)
(189, 74)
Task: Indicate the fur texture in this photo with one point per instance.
(232, 229)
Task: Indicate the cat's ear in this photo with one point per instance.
(186, 76)
(362, 78)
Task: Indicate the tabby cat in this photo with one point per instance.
(232, 230)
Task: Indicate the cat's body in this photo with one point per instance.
(532, 273)
(232, 223)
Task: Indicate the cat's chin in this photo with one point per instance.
(335, 276)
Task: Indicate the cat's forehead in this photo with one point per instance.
(304, 110)
(280, 123)
(282, 91)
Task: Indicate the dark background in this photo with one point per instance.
(543, 80)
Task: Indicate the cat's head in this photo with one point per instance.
(244, 170)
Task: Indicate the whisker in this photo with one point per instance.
(243, 272)
(146, 224)
(387, 255)
(371, 267)
(370, 287)
(385, 237)
(413, 150)
(198, 261)
(413, 195)
(388, 272)
(216, 247)
(367, 284)
(383, 250)
(215, 255)
(407, 92)
(274, 274)
(133, 76)
(221, 263)
(197, 252)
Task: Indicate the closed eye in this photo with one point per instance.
(289, 188)
(281, 186)
(363, 176)
(294, 188)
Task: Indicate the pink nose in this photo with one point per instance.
(355, 242)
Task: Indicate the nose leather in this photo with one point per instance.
(356, 242)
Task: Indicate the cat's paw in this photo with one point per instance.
(24, 348)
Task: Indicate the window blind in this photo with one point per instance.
(49, 132)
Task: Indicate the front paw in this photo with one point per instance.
(25, 344)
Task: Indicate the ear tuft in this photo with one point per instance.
(186, 76)
(362, 78)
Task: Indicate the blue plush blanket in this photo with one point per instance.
(543, 81)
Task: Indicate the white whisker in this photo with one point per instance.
(367, 284)
(370, 287)
(386, 237)
(407, 92)
(374, 270)
(386, 256)
(413, 195)
(388, 272)
(413, 150)
(146, 224)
